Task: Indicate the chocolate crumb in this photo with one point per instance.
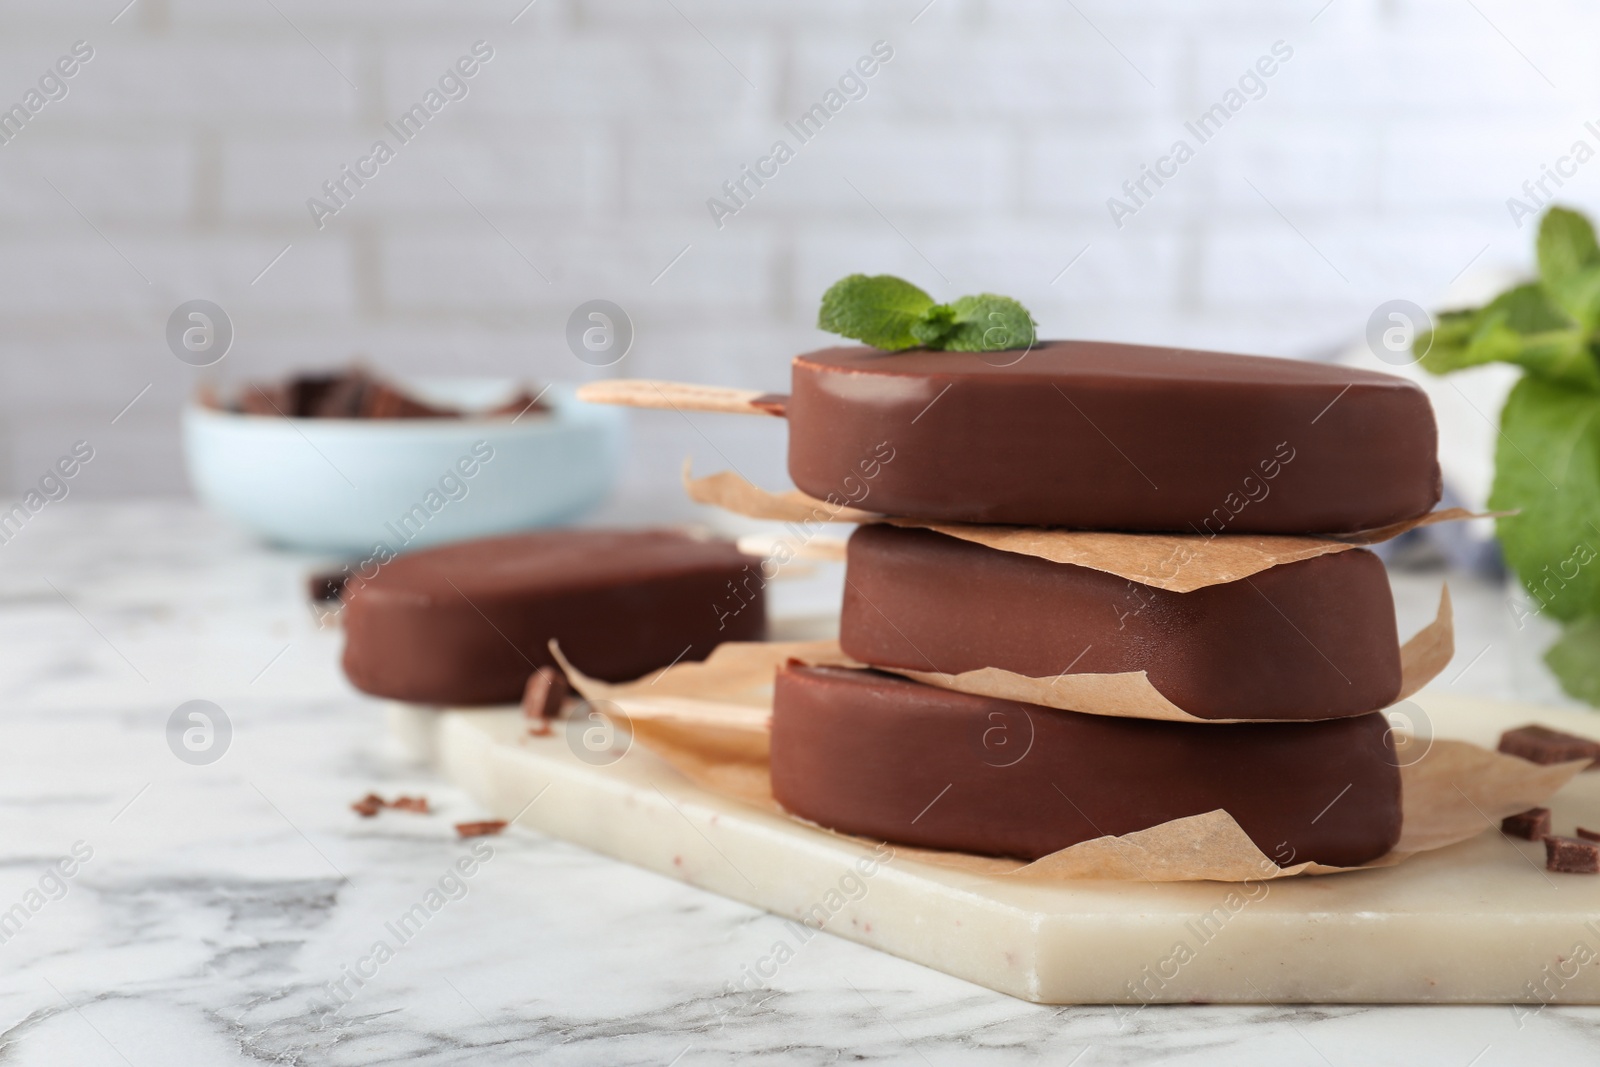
(368, 806)
(1569, 855)
(480, 829)
(546, 690)
(1588, 835)
(1540, 744)
(1533, 824)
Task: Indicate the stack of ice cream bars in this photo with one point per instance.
(1299, 659)
(1281, 676)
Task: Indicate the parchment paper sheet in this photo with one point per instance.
(711, 721)
(1180, 563)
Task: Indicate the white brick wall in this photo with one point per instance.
(186, 149)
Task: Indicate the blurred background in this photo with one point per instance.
(1375, 163)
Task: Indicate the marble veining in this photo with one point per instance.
(221, 901)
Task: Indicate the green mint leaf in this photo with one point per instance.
(1520, 326)
(1575, 659)
(891, 314)
(1562, 356)
(1566, 244)
(934, 326)
(1444, 348)
(989, 323)
(1526, 309)
(1547, 464)
(879, 310)
(1578, 296)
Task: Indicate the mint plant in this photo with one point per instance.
(1547, 460)
(892, 314)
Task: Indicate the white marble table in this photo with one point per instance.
(220, 899)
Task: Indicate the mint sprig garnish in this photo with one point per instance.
(892, 314)
(1547, 460)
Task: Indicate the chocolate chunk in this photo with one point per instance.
(368, 806)
(1588, 835)
(1314, 639)
(465, 624)
(326, 585)
(1540, 744)
(310, 394)
(338, 397)
(270, 400)
(383, 401)
(1113, 437)
(547, 689)
(524, 403)
(1569, 855)
(352, 394)
(866, 753)
(1533, 824)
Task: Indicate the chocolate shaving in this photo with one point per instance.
(480, 829)
(418, 804)
(1540, 744)
(1532, 825)
(1569, 855)
(1588, 835)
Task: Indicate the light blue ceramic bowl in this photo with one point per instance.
(349, 485)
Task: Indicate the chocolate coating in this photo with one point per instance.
(1113, 437)
(870, 754)
(1314, 639)
(467, 623)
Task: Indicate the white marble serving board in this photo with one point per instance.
(1481, 922)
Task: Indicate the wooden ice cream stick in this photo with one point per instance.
(681, 396)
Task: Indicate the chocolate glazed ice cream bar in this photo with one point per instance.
(1098, 436)
(1122, 437)
(870, 754)
(1314, 639)
(466, 624)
